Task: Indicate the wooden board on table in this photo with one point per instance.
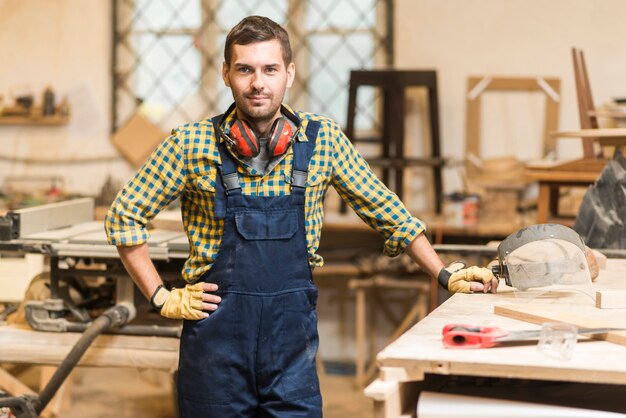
(611, 299)
(539, 314)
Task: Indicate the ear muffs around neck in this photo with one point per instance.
(247, 144)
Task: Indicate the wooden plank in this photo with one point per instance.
(97, 357)
(18, 334)
(536, 314)
(543, 203)
(584, 164)
(567, 177)
(619, 133)
(607, 113)
(34, 347)
(12, 385)
(611, 299)
(520, 84)
(393, 374)
(35, 120)
(472, 128)
(551, 121)
(393, 399)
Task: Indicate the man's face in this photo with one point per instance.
(258, 79)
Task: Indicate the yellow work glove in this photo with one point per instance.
(456, 278)
(185, 303)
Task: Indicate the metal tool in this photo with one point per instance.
(22, 222)
(74, 242)
(471, 336)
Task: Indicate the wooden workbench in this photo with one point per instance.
(419, 351)
(23, 346)
(20, 344)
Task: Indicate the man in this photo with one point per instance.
(251, 184)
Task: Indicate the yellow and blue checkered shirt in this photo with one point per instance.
(186, 164)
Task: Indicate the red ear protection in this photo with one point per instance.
(243, 139)
(280, 137)
(247, 144)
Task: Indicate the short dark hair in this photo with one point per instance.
(257, 29)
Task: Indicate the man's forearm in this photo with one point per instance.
(136, 260)
(424, 254)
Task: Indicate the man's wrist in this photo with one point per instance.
(445, 273)
(159, 297)
(444, 277)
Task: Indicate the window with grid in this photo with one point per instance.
(168, 54)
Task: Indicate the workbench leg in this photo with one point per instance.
(372, 331)
(543, 203)
(360, 336)
(555, 195)
(394, 399)
(422, 303)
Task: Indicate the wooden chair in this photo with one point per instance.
(588, 114)
(582, 172)
(586, 108)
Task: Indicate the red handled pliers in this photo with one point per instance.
(471, 336)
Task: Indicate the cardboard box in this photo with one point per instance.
(137, 139)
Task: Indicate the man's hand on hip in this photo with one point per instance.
(191, 302)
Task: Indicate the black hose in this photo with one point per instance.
(139, 330)
(114, 316)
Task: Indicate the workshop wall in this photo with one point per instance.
(462, 38)
(64, 44)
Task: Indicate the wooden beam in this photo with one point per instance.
(611, 299)
(538, 315)
(593, 133)
(50, 348)
(12, 385)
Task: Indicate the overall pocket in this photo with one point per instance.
(262, 225)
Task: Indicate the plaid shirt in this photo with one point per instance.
(186, 164)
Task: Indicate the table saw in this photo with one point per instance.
(86, 274)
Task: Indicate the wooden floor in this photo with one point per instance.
(131, 393)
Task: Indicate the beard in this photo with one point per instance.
(263, 111)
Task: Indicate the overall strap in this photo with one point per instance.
(229, 183)
(302, 152)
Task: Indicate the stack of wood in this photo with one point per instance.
(500, 183)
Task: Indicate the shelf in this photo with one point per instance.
(34, 120)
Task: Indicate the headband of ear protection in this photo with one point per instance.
(243, 139)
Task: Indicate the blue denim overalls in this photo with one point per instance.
(255, 355)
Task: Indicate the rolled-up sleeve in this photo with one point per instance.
(157, 183)
(373, 202)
